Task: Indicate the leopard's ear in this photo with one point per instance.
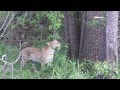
(54, 39)
(48, 43)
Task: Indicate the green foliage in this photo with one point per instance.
(55, 19)
(37, 27)
(2, 48)
(87, 66)
(97, 22)
(93, 22)
(72, 13)
(105, 69)
(2, 13)
(10, 51)
(60, 68)
(52, 25)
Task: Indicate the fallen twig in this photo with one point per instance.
(8, 63)
(5, 20)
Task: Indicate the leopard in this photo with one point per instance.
(43, 55)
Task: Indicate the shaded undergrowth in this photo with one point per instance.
(60, 68)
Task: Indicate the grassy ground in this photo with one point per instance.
(60, 68)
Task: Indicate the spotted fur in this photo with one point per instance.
(43, 56)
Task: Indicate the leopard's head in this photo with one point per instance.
(54, 44)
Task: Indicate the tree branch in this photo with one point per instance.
(5, 21)
(13, 14)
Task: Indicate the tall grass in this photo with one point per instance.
(60, 68)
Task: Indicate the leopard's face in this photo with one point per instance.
(54, 44)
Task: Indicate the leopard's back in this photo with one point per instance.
(27, 52)
(43, 55)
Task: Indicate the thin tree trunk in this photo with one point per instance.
(74, 34)
(119, 36)
(66, 31)
(66, 27)
(82, 36)
(112, 37)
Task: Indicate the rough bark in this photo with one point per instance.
(82, 36)
(66, 27)
(112, 37)
(119, 37)
(66, 32)
(93, 46)
(72, 33)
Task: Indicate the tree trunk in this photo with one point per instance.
(93, 36)
(72, 34)
(112, 37)
(66, 32)
(66, 27)
(82, 36)
(119, 36)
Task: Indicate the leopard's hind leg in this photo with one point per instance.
(22, 63)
